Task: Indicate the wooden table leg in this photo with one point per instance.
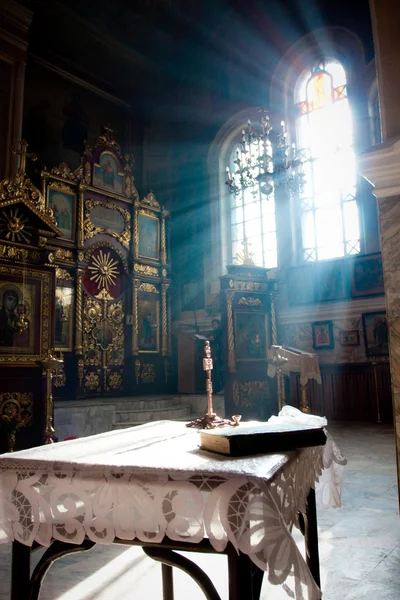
(20, 571)
(311, 537)
(245, 578)
(167, 582)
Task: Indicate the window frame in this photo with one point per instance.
(303, 79)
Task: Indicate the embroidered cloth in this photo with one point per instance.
(153, 481)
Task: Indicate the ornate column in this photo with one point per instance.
(164, 340)
(231, 344)
(78, 337)
(135, 328)
(381, 166)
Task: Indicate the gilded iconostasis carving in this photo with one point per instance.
(112, 301)
(84, 275)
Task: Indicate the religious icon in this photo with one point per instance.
(375, 334)
(331, 282)
(367, 276)
(62, 204)
(106, 173)
(148, 237)
(250, 336)
(15, 303)
(349, 338)
(322, 335)
(148, 311)
(63, 318)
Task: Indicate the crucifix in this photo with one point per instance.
(108, 132)
(23, 154)
(245, 257)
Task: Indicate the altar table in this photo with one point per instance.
(152, 486)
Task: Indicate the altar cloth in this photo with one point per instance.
(153, 481)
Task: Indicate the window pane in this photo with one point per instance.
(337, 71)
(328, 223)
(237, 248)
(308, 229)
(250, 195)
(236, 200)
(270, 259)
(268, 224)
(328, 207)
(255, 249)
(351, 222)
(270, 241)
(237, 232)
(252, 228)
(252, 211)
(268, 207)
(237, 216)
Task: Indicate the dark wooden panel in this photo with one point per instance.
(348, 393)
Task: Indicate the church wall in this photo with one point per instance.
(61, 112)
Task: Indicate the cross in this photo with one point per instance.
(24, 155)
(108, 132)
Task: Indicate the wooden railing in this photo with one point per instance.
(348, 393)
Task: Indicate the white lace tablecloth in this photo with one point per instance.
(153, 481)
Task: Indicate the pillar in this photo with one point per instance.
(381, 166)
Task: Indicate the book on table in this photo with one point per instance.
(261, 438)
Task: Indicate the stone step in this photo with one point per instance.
(143, 403)
(145, 415)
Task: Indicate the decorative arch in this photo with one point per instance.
(322, 46)
(334, 42)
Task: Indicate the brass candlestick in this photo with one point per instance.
(279, 362)
(49, 364)
(211, 420)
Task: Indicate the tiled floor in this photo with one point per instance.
(359, 544)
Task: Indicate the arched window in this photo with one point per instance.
(252, 217)
(324, 134)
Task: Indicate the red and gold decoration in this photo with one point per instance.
(15, 413)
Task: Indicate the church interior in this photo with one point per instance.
(250, 152)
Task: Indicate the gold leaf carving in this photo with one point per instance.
(251, 286)
(145, 269)
(115, 381)
(148, 287)
(150, 200)
(91, 230)
(19, 254)
(148, 373)
(250, 301)
(63, 274)
(64, 172)
(63, 254)
(92, 381)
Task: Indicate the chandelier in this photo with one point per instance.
(264, 160)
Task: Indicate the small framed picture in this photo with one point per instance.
(322, 335)
(349, 338)
(375, 333)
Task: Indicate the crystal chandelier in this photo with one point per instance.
(264, 160)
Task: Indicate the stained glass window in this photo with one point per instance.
(252, 218)
(324, 131)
